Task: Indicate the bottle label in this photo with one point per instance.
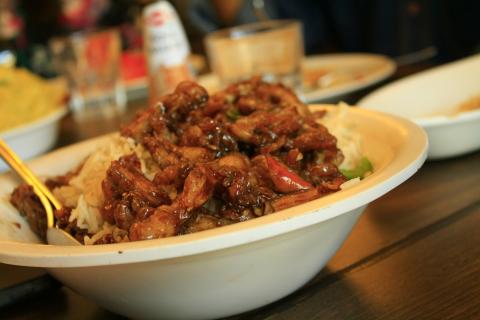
(166, 42)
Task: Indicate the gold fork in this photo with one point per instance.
(49, 202)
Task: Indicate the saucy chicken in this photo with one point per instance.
(241, 153)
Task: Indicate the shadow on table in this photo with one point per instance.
(57, 304)
(320, 298)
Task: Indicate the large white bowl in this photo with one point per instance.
(425, 96)
(34, 138)
(231, 269)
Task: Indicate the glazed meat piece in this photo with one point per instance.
(171, 110)
(295, 199)
(202, 220)
(239, 185)
(211, 134)
(315, 139)
(124, 175)
(165, 220)
(28, 204)
(187, 97)
(326, 175)
(129, 193)
(162, 223)
(197, 189)
(140, 126)
(162, 151)
(265, 127)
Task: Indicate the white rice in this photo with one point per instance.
(106, 229)
(84, 192)
(347, 139)
(350, 183)
(88, 217)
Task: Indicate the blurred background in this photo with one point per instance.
(442, 30)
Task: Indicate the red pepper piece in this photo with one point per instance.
(283, 178)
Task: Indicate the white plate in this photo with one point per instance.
(232, 269)
(350, 71)
(34, 138)
(423, 98)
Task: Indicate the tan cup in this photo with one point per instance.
(272, 49)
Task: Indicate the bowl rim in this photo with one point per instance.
(447, 120)
(35, 124)
(409, 159)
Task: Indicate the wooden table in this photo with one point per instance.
(414, 254)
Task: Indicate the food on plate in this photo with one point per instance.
(320, 78)
(469, 105)
(196, 162)
(25, 97)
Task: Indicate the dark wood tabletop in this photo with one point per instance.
(414, 254)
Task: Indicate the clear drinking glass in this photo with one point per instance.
(90, 62)
(272, 49)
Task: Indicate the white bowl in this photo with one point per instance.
(232, 269)
(425, 96)
(34, 138)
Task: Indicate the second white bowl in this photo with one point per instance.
(428, 98)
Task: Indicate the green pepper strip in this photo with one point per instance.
(363, 167)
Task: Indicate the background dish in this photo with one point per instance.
(428, 98)
(34, 138)
(168, 277)
(340, 74)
